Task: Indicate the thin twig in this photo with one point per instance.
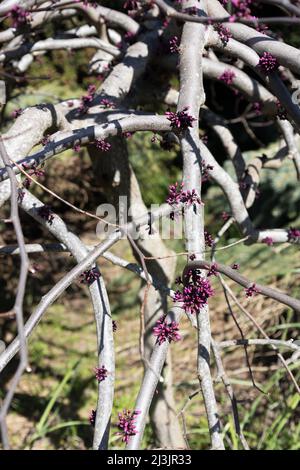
(18, 305)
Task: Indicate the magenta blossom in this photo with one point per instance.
(190, 197)
(166, 331)
(242, 8)
(100, 373)
(92, 417)
(227, 77)
(32, 170)
(235, 266)
(128, 134)
(251, 290)
(268, 63)
(177, 195)
(17, 112)
(293, 234)
(127, 425)
(223, 32)
(89, 276)
(46, 139)
(87, 99)
(76, 148)
(213, 270)
(195, 293)
(107, 103)
(19, 16)
(102, 145)
(268, 241)
(174, 44)
(180, 120)
(209, 241)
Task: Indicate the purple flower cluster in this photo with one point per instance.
(166, 331)
(235, 266)
(209, 241)
(195, 292)
(213, 270)
(127, 134)
(127, 424)
(268, 241)
(190, 197)
(293, 234)
(180, 120)
(89, 276)
(100, 373)
(174, 44)
(46, 139)
(268, 63)
(177, 195)
(32, 170)
(102, 145)
(17, 112)
(251, 290)
(223, 32)
(262, 27)
(19, 16)
(45, 213)
(242, 8)
(92, 417)
(76, 148)
(107, 103)
(227, 77)
(87, 99)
